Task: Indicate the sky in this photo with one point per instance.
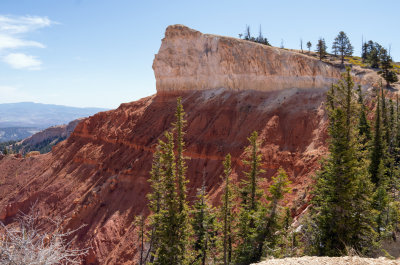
(99, 53)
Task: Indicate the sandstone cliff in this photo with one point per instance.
(190, 60)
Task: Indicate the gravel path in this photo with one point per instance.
(329, 261)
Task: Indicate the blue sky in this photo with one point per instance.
(99, 53)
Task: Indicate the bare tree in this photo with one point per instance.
(247, 34)
(38, 240)
(301, 45)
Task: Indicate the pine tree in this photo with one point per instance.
(386, 66)
(227, 212)
(183, 208)
(140, 222)
(250, 195)
(385, 119)
(321, 48)
(364, 129)
(364, 51)
(342, 45)
(377, 151)
(335, 48)
(170, 249)
(155, 197)
(309, 46)
(180, 161)
(204, 228)
(171, 220)
(270, 227)
(339, 205)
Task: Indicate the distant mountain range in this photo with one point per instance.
(21, 120)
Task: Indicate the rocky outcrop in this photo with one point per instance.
(59, 131)
(190, 60)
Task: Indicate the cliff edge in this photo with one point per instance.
(191, 60)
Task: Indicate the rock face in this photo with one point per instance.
(190, 60)
(98, 176)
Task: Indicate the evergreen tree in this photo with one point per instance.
(250, 195)
(168, 203)
(155, 197)
(371, 53)
(342, 46)
(180, 161)
(335, 48)
(204, 228)
(381, 200)
(309, 46)
(364, 51)
(140, 222)
(271, 225)
(341, 208)
(227, 212)
(377, 151)
(183, 208)
(170, 249)
(321, 48)
(364, 129)
(386, 65)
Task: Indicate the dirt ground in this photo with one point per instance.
(329, 261)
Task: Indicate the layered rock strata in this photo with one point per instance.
(190, 60)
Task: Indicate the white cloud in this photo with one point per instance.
(22, 24)
(11, 42)
(22, 61)
(13, 31)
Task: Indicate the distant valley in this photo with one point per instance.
(21, 120)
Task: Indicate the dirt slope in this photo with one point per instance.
(99, 175)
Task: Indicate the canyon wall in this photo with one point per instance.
(229, 89)
(190, 60)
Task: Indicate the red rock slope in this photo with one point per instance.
(98, 176)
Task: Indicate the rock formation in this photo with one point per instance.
(229, 88)
(47, 137)
(190, 60)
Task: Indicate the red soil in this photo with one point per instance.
(98, 176)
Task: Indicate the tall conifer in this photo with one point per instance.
(364, 129)
(227, 212)
(168, 203)
(378, 145)
(204, 228)
(250, 195)
(339, 203)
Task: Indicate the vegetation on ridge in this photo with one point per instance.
(373, 54)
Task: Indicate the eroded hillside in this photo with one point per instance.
(98, 176)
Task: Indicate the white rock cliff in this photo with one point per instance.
(190, 60)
